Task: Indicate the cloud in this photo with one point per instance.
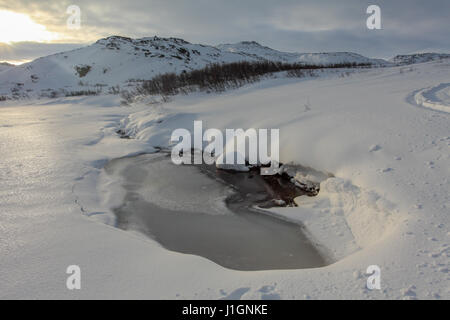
(294, 25)
(309, 17)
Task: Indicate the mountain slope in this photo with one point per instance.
(253, 49)
(418, 58)
(112, 61)
(120, 61)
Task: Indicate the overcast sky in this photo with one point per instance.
(288, 25)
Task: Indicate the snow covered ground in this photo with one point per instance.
(387, 205)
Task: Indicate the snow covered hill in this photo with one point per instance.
(253, 49)
(120, 61)
(418, 58)
(110, 62)
(116, 63)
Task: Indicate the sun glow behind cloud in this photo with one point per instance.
(16, 27)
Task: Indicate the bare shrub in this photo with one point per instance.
(127, 97)
(82, 70)
(82, 93)
(114, 90)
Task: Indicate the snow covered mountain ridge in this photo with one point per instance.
(116, 62)
(418, 58)
(252, 49)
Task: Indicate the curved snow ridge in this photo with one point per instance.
(436, 98)
(343, 218)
